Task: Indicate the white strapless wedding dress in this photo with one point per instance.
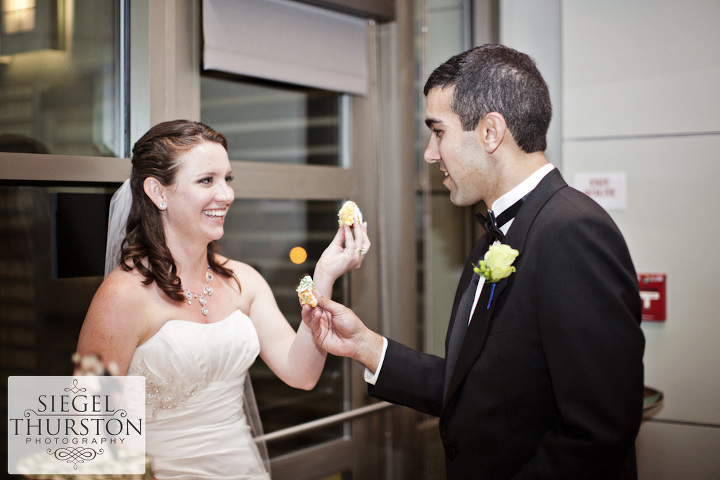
(194, 377)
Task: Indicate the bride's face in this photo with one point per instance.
(200, 197)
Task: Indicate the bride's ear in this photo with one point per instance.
(155, 192)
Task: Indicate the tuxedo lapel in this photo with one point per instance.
(462, 297)
(477, 331)
(476, 334)
(477, 252)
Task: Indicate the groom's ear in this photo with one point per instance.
(492, 130)
(155, 192)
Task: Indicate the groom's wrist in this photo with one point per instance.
(370, 376)
(370, 350)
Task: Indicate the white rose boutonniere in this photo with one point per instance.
(496, 265)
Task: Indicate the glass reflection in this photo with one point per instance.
(45, 290)
(60, 81)
(266, 122)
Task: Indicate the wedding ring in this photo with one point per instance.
(362, 251)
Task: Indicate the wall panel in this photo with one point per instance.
(640, 68)
(668, 230)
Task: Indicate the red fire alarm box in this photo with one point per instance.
(652, 295)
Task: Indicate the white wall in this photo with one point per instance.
(641, 95)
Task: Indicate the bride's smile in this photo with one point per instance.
(198, 201)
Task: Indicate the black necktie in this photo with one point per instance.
(492, 225)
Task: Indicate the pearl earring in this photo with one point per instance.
(162, 205)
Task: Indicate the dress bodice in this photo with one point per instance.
(194, 377)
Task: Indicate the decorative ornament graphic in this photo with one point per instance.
(75, 455)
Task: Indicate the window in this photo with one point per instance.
(61, 79)
(277, 123)
(267, 122)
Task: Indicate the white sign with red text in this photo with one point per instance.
(609, 189)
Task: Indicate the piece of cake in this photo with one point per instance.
(346, 215)
(305, 292)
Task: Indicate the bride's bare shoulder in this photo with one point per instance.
(120, 293)
(118, 318)
(244, 271)
(121, 282)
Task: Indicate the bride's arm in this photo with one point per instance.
(294, 356)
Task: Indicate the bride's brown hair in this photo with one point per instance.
(156, 155)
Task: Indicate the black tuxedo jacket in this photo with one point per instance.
(549, 379)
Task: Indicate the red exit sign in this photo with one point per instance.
(652, 295)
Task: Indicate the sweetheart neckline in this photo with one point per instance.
(231, 315)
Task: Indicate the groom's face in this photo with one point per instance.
(460, 154)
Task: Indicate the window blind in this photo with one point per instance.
(286, 41)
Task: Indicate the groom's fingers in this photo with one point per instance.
(333, 308)
(310, 316)
(307, 315)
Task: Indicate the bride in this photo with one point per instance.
(191, 321)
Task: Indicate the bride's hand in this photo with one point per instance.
(345, 253)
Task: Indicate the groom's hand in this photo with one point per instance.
(340, 332)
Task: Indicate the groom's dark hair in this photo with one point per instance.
(496, 78)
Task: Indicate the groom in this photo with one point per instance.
(543, 375)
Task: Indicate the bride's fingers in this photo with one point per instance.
(361, 233)
(356, 239)
(362, 239)
(357, 230)
(365, 239)
(349, 239)
(339, 237)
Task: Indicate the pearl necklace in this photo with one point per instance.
(207, 290)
